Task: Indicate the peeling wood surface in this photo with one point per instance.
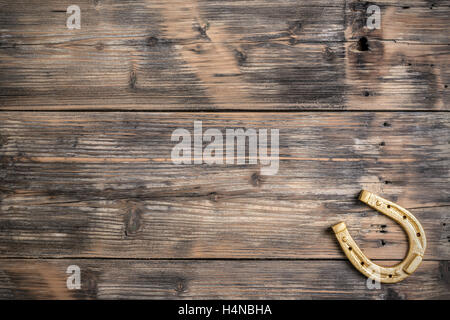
(120, 279)
(217, 55)
(98, 189)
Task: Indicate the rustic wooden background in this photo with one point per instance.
(86, 118)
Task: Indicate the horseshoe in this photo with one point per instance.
(414, 230)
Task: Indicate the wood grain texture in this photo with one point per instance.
(103, 185)
(98, 189)
(409, 21)
(216, 55)
(131, 279)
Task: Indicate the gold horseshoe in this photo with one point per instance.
(414, 230)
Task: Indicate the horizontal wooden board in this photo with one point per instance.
(216, 55)
(103, 185)
(181, 20)
(131, 279)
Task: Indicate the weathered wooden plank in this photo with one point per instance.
(33, 21)
(187, 228)
(272, 76)
(130, 279)
(209, 55)
(103, 185)
(389, 76)
(172, 55)
(183, 21)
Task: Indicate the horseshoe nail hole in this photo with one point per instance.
(389, 206)
(362, 263)
(418, 234)
(350, 248)
(390, 276)
(363, 44)
(373, 281)
(152, 41)
(404, 217)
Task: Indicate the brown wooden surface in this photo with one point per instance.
(98, 188)
(210, 55)
(181, 279)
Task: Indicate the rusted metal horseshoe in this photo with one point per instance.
(416, 236)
